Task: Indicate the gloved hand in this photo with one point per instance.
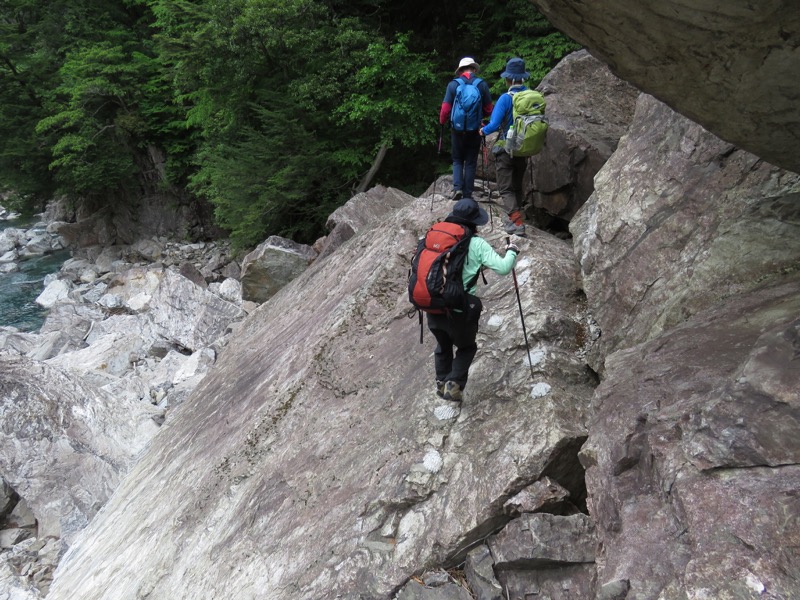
(512, 247)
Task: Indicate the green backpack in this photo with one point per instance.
(528, 128)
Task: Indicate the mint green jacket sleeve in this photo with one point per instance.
(481, 254)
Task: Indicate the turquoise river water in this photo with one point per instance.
(18, 290)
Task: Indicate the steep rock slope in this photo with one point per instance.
(690, 251)
(312, 462)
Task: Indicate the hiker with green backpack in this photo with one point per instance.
(467, 101)
(519, 116)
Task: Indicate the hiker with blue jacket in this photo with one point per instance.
(459, 329)
(466, 101)
(510, 170)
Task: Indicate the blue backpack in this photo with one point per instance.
(467, 106)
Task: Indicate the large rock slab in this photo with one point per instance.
(317, 446)
(358, 212)
(678, 220)
(589, 109)
(184, 313)
(64, 446)
(693, 453)
(272, 265)
(730, 66)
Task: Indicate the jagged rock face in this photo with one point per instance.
(689, 251)
(679, 219)
(312, 462)
(64, 446)
(126, 222)
(693, 460)
(588, 109)
(730, 66)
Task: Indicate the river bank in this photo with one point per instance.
(115, 339)
(27, 256)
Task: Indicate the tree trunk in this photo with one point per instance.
(376, 164)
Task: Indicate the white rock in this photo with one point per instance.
(535, 357)
(494, 322)
(54, 292)
(88, 276)
(445, 413)
(9, 256)
(540, 389)
(432, 461)
(110, 301)
(231, 290)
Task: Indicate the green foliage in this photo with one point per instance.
(272, 110)
(388, 92)
(527, 35)
(25, 73)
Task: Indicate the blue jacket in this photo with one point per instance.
(502, 113)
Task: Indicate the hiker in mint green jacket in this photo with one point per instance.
(460, 329)
(510, 170)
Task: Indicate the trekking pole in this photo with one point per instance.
(485, 156)
(435, 171)
(522, 316)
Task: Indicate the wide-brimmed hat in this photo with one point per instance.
(467, 61)
(515, 70)
(468, 210)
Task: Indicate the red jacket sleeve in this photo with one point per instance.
(444, 113)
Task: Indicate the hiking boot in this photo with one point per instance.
(452, 392)
(514, 225)
(512, 228)
(440, 388)
(457, 195)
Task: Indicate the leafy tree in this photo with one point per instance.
(97, 101)
(522, 31)
(272, 110)
(294, 86)
(26, 73)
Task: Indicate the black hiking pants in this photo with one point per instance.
(457, 330)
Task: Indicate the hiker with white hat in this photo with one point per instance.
(467, 101)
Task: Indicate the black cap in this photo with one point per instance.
(468, 210)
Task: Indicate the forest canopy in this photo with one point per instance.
(272, 111)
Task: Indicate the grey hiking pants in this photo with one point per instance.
(457, 330)
(510, 173)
